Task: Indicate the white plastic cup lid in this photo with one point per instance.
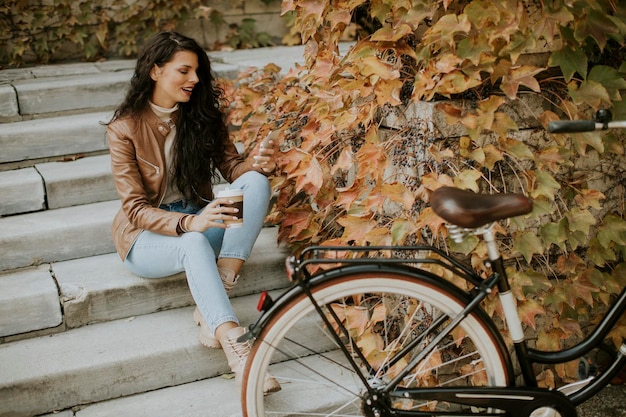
(230, 192)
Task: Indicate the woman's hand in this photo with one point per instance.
(265, 158)
(215, 210)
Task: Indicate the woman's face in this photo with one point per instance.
(174, 81)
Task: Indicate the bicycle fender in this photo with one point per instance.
(517, 402)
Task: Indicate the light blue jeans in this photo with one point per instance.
(156, 256)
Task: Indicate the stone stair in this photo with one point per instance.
(80, 335)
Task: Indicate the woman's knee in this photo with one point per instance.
(192, 242)
(255, 181)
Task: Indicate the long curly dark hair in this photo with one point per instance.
(200, 128)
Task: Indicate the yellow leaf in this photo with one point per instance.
(468, 179)
(392, 34)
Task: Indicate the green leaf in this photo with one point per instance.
(516, 148)
(580, 220)
(466, 247)
(400, 229)
(545, 185)
(570, 61)
(589, 92)
(596, 25)
(599, 254)
(613, 229)
(610, 78)
(527, 243)
(554, 234)
(593, 139)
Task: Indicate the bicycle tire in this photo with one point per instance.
(295, 347)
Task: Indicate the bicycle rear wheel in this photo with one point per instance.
(382, 312)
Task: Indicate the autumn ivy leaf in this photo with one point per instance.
(492, 155)
(520, 75)
(440, 155)
(392, 34)
(446, 28)
(549, 340)
(456, 82)
(589, 198)
(527, 310)
(613, 144)
(541, 207)
(516, 148)
(612, 229)
(338, 17)
(551, 158)
(589, 92)
(355, 228)
(503, 123)
(466, 246)
(379, 237)
(570, 61)
(597, 25)
(580, 220)
(584, 139)
(583, 289)
(380, 10)
(554, 233)
(468, 179)
(610, 78)
(577, 239)
(527, 243)
(599, 254)
(400, 229)
(556, 299)
(570, 264)
(428, 218)
(544, 185)
(307, 171)
(344, 162)
(399, 193)
(472, 49)
(388, 92)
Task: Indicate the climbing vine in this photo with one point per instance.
(358, 161)
(39, 32)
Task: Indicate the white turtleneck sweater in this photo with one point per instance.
(171, 192)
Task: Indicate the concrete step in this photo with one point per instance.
(211, 397)
(60, 296)
(53, 137)
(56, 235)
(55, 185)
(109, 360)
(53, 90)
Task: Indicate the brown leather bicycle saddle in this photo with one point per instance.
(471, 210)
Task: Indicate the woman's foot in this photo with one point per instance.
(205, 335)
(229, 278)
(237, 355)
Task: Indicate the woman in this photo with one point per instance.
(168, 141)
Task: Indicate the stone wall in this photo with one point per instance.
(267, 19)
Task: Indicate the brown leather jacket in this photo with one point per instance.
(138, 165)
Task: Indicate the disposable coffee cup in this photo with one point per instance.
(236, 196)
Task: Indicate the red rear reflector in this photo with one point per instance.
(265, 301)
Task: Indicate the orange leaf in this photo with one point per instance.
(399, 193)
(521, 75)
(355, 228)
(527, 311)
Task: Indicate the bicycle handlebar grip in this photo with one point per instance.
(572, 126)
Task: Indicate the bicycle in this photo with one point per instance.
(388, 336)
